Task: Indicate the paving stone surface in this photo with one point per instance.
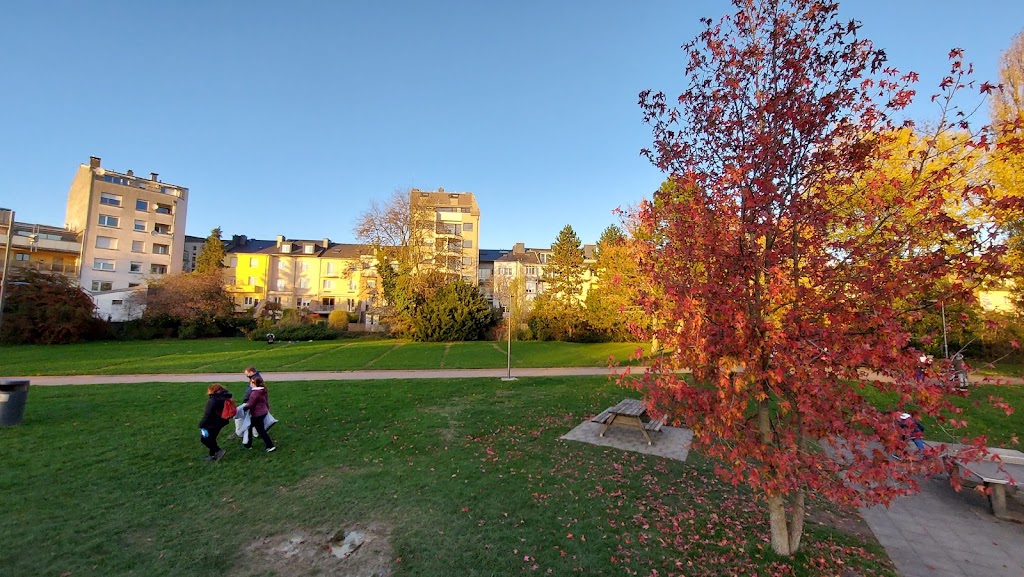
(942, 533)
(670, 442)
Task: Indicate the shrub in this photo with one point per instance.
(338, 320)
(312, 332)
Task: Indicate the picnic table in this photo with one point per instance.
(629, 413)
(996, 470)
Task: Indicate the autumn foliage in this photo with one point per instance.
(791, 258)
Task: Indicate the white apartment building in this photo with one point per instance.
(133, 230)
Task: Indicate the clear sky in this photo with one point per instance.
(286, 117)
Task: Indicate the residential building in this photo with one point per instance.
(190, 251)
(451, 239)
(45, 248)
(132, 230)
(531, 263)
(317, 276)
(485, 272)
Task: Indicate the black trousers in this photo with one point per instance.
(257, 425)
(211, 441)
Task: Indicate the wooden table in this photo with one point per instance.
(628, 413)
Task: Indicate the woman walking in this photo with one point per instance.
(259, 407)
(213, 420)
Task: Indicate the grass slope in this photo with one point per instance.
(469, 475)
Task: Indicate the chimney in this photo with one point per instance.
(94, 162)
(280, 240)
(130, 172)
(154, 176)
(327, 242)
(519, 248)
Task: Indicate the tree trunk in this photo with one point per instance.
(777, 520)
(796, 524)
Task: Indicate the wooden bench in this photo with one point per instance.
(628, 413)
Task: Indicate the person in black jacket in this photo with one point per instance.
(212, 421)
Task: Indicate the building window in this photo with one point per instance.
(117, 302)
(328, 284)
(162, 228)
(102, 285)
(468, 227)
(286, 248)
(135, 267)
(102, 264)
(140, 225)
(467, 244)
(467, 261)
(330, 268)
(304, 283)
(251, 281)
(138, 246)
(254, 261)
(531, 270)
(352, 284)
(371, 284)
(465, 209)
(157, 269)
(302, 303)
(303, 266)
(115, 179)
(281, 284)
(163, 209)
(308, 249)
(276, 300)
(107, 220)
(142, 205)
(161, 249)
(134, 284)
(110, 199)
(328, 301)
(22, 256)
(250, 301)
(106, 242)
(233, 262)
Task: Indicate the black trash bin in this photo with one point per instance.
(13, 394)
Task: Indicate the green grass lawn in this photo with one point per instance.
(232, 355)
(465, 477)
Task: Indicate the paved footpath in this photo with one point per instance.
(330, 375)
(941, 533)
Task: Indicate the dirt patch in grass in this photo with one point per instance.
(847, 522)
(352, 551)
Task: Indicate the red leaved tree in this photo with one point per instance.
(789, 258)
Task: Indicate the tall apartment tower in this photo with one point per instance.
(452, 235)
(133, 230)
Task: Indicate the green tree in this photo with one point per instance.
(456, 311)
(47, 309)
(564, 270)
(211, 257)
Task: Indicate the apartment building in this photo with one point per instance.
(190, 251)
(485, 272)
(315, 275)
(451, 239)
(530, 264)
(132, 230)
(40, 247)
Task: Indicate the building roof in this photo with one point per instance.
(250, 245)
(528, 257)
(490, 255)
(340, 250)
(190, 238)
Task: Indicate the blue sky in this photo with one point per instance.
(285, 117)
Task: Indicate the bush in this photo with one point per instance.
(456, 312)
(338, 320)
(48, 309)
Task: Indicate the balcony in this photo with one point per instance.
(67, 269)
(244, 288)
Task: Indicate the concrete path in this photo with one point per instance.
(941, 533)
(329, 375)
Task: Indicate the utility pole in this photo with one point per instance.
(7, 258)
